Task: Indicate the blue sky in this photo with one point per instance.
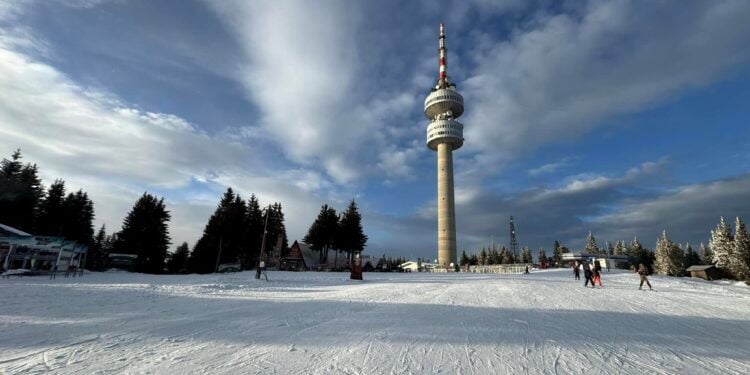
(617, 117)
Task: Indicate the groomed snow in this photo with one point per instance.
(301, 323)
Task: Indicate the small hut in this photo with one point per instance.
(708, 272)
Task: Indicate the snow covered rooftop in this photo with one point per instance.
(12, 232)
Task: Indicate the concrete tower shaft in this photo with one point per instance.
(444, 134)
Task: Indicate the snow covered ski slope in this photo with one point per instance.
(299, 323)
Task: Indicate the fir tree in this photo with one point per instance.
(707, 254)
(20, 193)
(621, 248)
(98, 253)
(253, 233)
(639, 255)
(740, 260)
(526, 256)
(350, 236)
(722, 245)
(177, 262)
(483, 257)
(507, 256)
(493, 257)
(691, 257)
(224, 238)
(610, 249)
(542, 256)
(78, 218)
(276, 229)
(669, 257)
(145, 233)
(51, 214)
(464, 260)
(322, 233)
(557, 254)
(591, 247)
(473, 261)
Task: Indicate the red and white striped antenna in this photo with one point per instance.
(443, 80)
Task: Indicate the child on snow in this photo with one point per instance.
(643, 272)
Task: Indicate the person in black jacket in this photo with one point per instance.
(643, 272)
(576, 271)
(587, 274)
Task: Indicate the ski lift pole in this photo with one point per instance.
(263, 243)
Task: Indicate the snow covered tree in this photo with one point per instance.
(591, 247)
(669, 257)
(707, 254)
(740, 260)
(621, 248)
(145, 233)
(639, 255)
(722, 245)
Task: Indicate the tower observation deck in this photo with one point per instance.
(444, 134)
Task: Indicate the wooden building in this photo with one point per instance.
(708, 272)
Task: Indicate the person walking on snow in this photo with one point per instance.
(643, 272)
(597, 275)
(587, 275)
(577, 271)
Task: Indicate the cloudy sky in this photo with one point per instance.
(619, 117)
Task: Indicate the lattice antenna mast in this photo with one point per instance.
(513, 240)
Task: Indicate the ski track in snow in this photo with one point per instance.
(322, 323)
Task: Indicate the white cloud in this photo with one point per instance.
(558, 75)
(115, 152)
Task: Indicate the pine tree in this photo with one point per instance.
(526, 256)
(253, 233)
(639, 255)
(473, 261)
(691, 257)
(493, 257)
(722, 246)
(558, 254)
(740, 260)
(707, 254)
(669, 257)
(224, 238)
(276, 229)
(51, 214)
(483, 257)
(177, 262)
(621, 248)
(322, 233)
(610, 249)
(542, 256)
(464, 260)
(145, 233)
(78, 218)
(591, 247)
(96, 259)
(507, 256)
(20, 193)
(350, 236)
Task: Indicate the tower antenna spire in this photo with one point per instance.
(443, 60)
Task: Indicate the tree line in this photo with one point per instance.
(233, 233)
(728, 250)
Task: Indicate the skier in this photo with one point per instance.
(597, 275)
(643, 272)
(587, 275)
(527, 270)
(576, 271)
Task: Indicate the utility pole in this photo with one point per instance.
(263, 242)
